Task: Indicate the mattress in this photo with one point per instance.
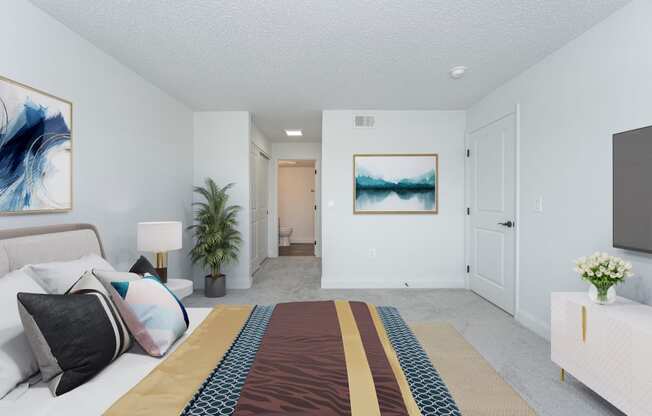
(97, 395)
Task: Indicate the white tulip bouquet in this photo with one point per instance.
(603, 271)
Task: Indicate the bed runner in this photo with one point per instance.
(302, 358)
(168, 388)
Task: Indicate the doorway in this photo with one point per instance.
(492, 211)
(297, 207)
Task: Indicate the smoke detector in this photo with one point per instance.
(457, 72)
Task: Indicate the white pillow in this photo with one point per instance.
(59, 276)
(17, 363)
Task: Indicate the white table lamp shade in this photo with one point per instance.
(159, 237)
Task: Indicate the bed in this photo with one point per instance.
(322, 357)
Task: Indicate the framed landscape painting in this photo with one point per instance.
(35, 150)
(395, 184)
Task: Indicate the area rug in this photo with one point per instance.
(476, 387)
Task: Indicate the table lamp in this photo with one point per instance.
(160, 238)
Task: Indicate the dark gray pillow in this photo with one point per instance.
(143, 266)
(73, 337)
(89, 283)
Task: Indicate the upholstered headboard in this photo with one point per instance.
(22, 246)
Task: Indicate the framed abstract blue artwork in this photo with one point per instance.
(395, 184)
(35, 150)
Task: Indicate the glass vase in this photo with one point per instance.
(602, 296)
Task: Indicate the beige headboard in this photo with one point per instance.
(22, 246)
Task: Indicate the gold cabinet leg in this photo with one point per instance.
(583, 323)
(562, 375)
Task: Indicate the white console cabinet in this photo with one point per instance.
(606, 347)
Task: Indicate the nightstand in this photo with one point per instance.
(180, 287)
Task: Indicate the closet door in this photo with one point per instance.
(259, 207)
(253, 260)
(262, 207)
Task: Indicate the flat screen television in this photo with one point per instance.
(632, 190)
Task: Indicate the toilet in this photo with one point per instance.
(284, 236)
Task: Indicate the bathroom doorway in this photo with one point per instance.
(297, 207)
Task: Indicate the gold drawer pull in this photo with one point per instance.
(583, 323)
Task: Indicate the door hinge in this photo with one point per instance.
(315, 171)
(468, 211)
(315, 243)
(468, 268)
(315, 207)
(468, 152)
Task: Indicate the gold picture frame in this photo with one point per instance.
(412, 189)
(16, 91)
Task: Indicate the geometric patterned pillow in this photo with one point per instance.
(153, 314)
(107, 276)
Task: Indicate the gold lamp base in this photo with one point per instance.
(162, 266)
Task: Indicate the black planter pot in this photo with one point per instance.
(215, 287)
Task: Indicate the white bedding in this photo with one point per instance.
(98, 394)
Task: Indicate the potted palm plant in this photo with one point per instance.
(217, 239)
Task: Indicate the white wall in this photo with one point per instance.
(300, 151)
(296, 200)
(221, 143)
(421, 250)
(132, 142)
(571, 103)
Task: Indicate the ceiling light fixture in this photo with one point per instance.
(457, 72)
(294, 133)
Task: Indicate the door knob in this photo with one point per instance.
(507, 224)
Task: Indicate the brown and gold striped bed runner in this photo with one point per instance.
(169, 387)
(325, 358)
(300, 364)
(308, 358)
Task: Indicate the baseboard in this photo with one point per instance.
(301, 241)
(240, 282)
(387, 283)
(533, 324)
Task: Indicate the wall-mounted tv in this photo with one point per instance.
(632, 190)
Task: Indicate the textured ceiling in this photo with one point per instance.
(286, 60)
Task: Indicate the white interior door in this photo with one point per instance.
(492, 212)
(317, 210)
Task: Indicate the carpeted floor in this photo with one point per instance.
(521, 357)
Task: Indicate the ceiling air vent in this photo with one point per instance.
(364, 122)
